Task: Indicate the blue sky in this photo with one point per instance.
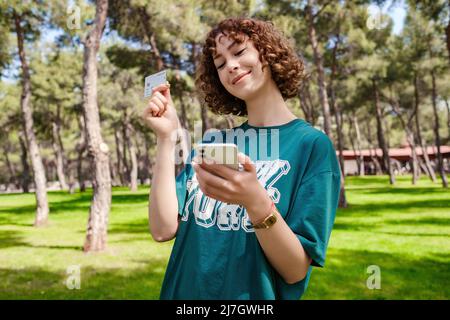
(397, 12)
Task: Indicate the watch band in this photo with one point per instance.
(269, 220)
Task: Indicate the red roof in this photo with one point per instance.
(396, 153)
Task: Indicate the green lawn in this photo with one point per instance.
(404, 230)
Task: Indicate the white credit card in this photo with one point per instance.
(152, 81)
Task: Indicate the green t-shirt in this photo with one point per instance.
(216, 254)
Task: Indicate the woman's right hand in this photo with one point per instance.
(160, 114)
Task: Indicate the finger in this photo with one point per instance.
(246, 162)
(154, 109)
(210, 179)
(217, 194)
(218, 169)
(164, 89)
(161, 87)
(160, 98)
(213, 192)
(159, 104)
(151, 111)
(158, 95)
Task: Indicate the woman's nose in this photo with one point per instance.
(232, 67)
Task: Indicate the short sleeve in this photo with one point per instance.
(181, 182)
(314, 206)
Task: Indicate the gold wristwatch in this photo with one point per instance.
(269, 220)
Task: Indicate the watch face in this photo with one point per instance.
(271, 220)
(268, 222)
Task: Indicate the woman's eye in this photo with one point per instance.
(237, 54)
(240, 52)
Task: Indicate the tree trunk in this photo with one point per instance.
(145, 19)
(342, 198)
(113, 172)
(147, 162)
(183, 115)
(305, 103)
(436, 130)
(36, 160)
(447, 34)
(336, 109)
(119, 156)
(70, 171)
(320, 70)
(415, 162)
(11, 170)
(380, 134)
(81, 148)
(184, 148)
(352, 143)
(58, 149)
(206, 122)
(140, 158)
(361, 169)
(352, 121)
(448, 116)
(374, 157)
(429, 168)
(25, 177)
(134, 163)
(97, 148)
(407, 126)
(126, 167)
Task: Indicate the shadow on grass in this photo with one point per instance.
(130, 198)
(405, 191)
(345, 276)
(79, 202)
(379, 208)
(11, 238)
(421, 221)
(137, 226)
(76, 248)
(372, 227)
(95, 283)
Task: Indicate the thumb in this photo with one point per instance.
(246, 162)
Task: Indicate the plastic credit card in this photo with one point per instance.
(154, 80)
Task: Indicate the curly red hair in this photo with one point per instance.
(275, 51)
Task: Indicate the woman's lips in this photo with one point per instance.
(239, 80)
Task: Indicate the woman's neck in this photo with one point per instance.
(267, 108)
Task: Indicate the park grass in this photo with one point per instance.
(402, 229)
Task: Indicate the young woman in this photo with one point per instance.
(254, 233)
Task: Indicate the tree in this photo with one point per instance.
(56, 84)
(123, 97)
(409, 59)
(25, 18)
(368, 68)
(435, 67)
(11, 133)
(97, 148)
(438, 11)
(312, 11)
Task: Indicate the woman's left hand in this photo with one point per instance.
(231, 186)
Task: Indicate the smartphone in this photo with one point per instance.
(221, 153)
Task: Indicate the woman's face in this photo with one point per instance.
(239, 68)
